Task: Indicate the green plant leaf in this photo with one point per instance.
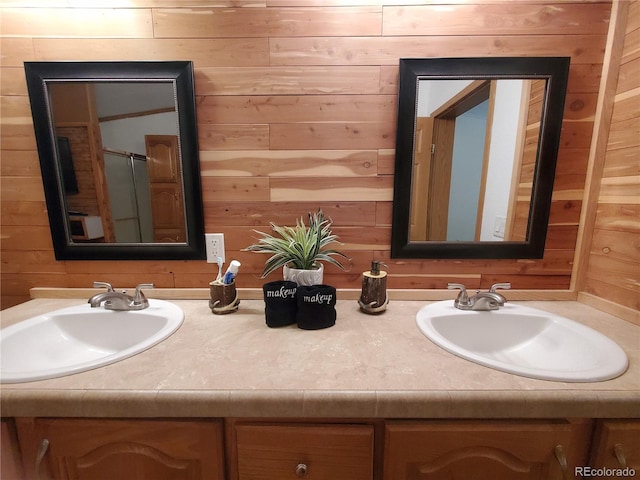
(299, 246)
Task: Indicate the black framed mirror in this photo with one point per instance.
(118, 150)
(476, 149)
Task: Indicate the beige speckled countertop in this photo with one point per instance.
(363, 367)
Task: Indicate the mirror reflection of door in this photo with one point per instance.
(108, 124)
(166, 188)
(469, 142)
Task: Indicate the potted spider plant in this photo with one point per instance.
(299, 250)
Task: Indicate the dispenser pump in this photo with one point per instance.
(374, 299)
(375, 267)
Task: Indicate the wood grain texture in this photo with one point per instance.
(612, 270)
(76, 22)
(290, 163)
(296, 106)
(415, 450)
(289, 80)
(328, 451)
(210, 53)
(267, 22)
(514, 19)
(104, 448)
(388, 49)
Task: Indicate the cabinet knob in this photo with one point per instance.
(619, 453)
(562, 460)
(301, 470)
(42, 451)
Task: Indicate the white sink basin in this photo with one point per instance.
(80, 338)
(524, 341)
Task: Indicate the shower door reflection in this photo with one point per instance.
(130, 198)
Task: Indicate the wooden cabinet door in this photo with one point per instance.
(165, 184)
(162, 154)
(10, 464)
(312, 452)
(105, 449)
(616, 445)
(168, 213)
(482, 450)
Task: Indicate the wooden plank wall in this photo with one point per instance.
(613, 268)
(296, 110)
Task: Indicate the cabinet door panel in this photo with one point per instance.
(168, 213)
(163, 162)
(165, 184)
(313, 452)
(10, 466)
(481, 450)
(138, 461)
(133, 449)
(616, 445)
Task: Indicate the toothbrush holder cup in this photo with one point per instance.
(223, 298)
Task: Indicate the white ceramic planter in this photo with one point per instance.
(304, 277)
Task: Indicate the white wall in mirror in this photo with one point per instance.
(118, 98)
(505, 153)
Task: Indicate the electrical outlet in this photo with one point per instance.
(215, 246)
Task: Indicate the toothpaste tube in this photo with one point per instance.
(231, 272)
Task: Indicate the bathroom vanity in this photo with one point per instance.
(226, 397)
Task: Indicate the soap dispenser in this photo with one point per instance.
(374, 299)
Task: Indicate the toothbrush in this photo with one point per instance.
(220, 264)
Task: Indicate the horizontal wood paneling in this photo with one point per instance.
(210, 53)
(613, 268)
(332, 135)
(622, 162)
(296, 105)
(627, 79)
(618, 217)
(515, 19)
(620, 245)
(290, 163)
(387, 50)
(323, 189)
(22, 189)
(281, 80)
(296, 108)
(233, 137)
(260, 214)
(272, 22)
(248, 3)
(76, 22)
(132, 3)
(236, 189)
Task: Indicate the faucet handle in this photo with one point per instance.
(463, 297)
(138, 296)
(504, 286)
(103, 284)
(495, 286)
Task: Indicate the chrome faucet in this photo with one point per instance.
(120, 300)
(503, 286)
(490, 300)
